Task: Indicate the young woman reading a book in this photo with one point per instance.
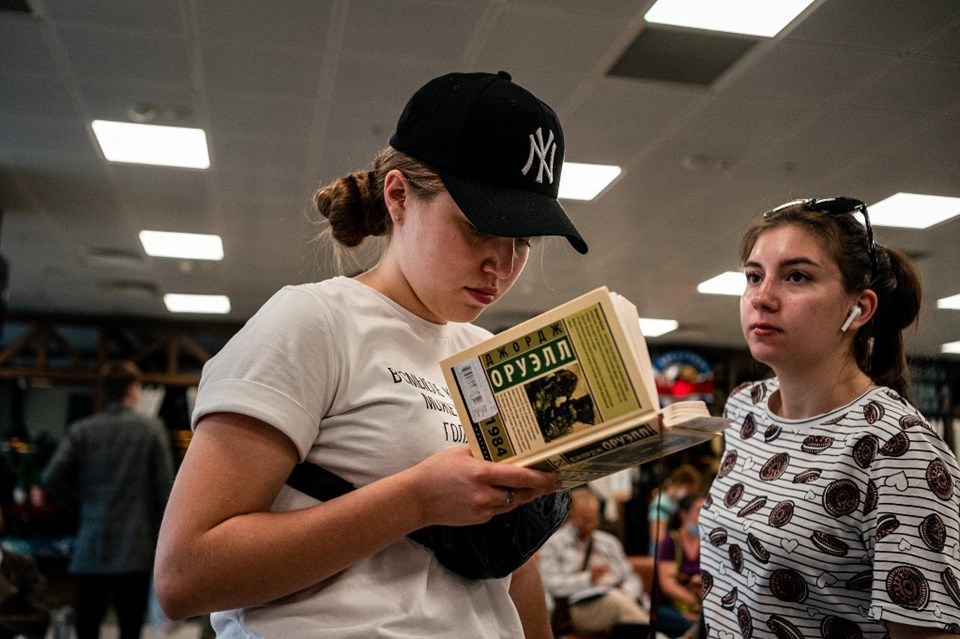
(835, 511)
(344, 373)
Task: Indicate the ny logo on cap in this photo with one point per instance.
(543, 151)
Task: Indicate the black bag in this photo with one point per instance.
(490, 550)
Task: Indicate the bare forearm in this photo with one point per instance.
(253, 558)
(526, 590)
(222, 547)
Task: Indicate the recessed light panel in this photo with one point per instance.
(151, 144)
(763, 18)
(952, 302)
(913, 210)
(729, 283)
(656, 327)
(951, 347)
(184, 303)
(585, 181)
(190, 246)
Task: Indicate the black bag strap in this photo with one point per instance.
(322, 484)
(318, 482)
(492, 549)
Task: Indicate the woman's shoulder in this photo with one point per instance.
(337, 297)
(884, 409)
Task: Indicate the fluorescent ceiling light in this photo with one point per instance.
(913, 210)
(951, 347)
(750, 17)
(585, 181)
(729, 283)
(952, 302)
(191, 246)
(152, 144)
(656, 327)
(183, 303)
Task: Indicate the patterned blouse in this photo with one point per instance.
(830, 526)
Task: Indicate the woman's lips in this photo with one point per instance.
(763, 329)
(483, 295)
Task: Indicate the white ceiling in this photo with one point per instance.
(855, 97)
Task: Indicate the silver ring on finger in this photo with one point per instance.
(509, 500)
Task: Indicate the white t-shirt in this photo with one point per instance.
(830, 526)
(352, 378)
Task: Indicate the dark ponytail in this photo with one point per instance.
(878, 347)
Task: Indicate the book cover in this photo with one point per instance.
(571, 390)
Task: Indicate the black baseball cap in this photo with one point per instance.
(497, 148)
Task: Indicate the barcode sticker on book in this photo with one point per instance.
(476, 391)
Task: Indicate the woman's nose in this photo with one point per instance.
(503, 259)
(764, 295)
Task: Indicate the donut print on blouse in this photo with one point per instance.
(833, 526)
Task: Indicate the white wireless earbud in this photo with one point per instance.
(852, 315)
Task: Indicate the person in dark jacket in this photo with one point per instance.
(116, 468)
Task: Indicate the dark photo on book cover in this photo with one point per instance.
(556, 403)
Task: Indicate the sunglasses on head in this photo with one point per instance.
(835, 206)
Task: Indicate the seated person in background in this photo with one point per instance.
(22, 613)
(678, 571)
(589, 568)
(684, 480)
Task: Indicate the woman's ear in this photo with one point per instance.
(395, 189)
(866, 302)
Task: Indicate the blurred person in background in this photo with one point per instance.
(678, 570)
(115, 469)
(587, 570)
(682, 481)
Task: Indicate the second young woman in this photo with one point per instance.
(835, 511)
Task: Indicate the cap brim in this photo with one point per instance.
(507, 212)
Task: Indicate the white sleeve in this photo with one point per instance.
(280, 368)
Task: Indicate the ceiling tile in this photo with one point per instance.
(396, 29)
(101, 54)
(22, 47)
(946, 44)
(300, 24)
(35, 142)
(148, 16)
(791, 72)
(890, 25)
(619, 118)
(264, 156)
(244, 69)
(524, 38)
(260, 116)
(36, 96)
(914, 86)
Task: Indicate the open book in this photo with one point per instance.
(571, 390)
